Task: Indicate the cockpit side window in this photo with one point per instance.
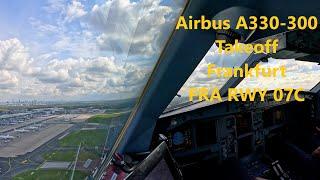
(71, 72)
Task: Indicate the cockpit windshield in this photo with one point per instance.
(71, 72)
(299, 74)
(199, 77)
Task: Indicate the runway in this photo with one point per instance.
(29, 143)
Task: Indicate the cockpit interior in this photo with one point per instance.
(269, 139)
(223, 140)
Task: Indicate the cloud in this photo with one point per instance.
(53, 76)
(79, 48)
(122, 27)
(138, 28)
(54, 6)
(74, 10)
(68, 77)
(62, 43)
(300, 74)
(7, 80)
(14, 56)
(101, 74)
(43, 28)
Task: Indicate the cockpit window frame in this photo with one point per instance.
(117, 142)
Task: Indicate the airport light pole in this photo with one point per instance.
(107, 137)
(75, 162)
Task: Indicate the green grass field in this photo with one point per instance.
(103, 118)
(49, 175)
(69, 155)
(88, 138)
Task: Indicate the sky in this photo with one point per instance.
(80, 49)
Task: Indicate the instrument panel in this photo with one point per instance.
(230, 130)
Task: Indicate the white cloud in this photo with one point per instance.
(54, 6)
(14, 56)
(76, 52)
(139, 28)
(299, 74)
(132, 27)
(65, 77)
(74, 11)
(7, 80)
(62, 44)
(43, 28)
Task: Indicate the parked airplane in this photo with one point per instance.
(21, 130)
(32, 127)
(6, 137)
(38, 125)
